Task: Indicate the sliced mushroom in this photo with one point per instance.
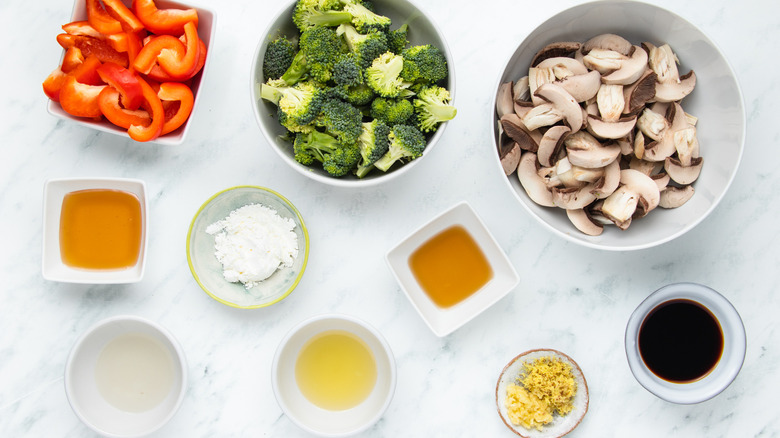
(542, 115)
(662, 181)
(630, 70)
(521, 92)
(583, 87)
(504, 102)
(536, 78)
(608, 41)
(664, 63)
(687, 145)
(610, 102)
(551, 143)
(636, 189)
(581, 220)
(673, 197)
(564, 48)
(611, 130)
(672, 92)
(563, 103)
(683, 175)
(532, 183)
(515, 129)
(610, 182)
(510, 157)
(585, 151)
(572, 198)
(639, 93)
(563, 67)
(604, 61)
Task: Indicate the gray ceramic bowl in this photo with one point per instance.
(422, 30)
(717, 102)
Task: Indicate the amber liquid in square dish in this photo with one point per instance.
(450, 266)
(100, 229)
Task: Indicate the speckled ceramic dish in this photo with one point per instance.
(561, 425)
(207, 270)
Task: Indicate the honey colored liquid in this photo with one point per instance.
(100, 229)
(450, 266)
(335, 370)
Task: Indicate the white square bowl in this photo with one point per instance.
(443, 321)
(207, 28)
(53, 267)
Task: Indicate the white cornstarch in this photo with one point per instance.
(252, 243)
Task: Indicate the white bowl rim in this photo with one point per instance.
(339, 316)
(334, 181)
(581, 239)
(102, 323)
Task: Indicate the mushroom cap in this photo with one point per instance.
(570, 64)
(640, 92)
(564, 103)
(610, 130)
(680, 174)
(521, 91)
(510, 158)
(572, 198)
(673, 197)
(532, 183)
(517, 131)
(583, 87)
(504, 101)
(608, 41)
(551, 143)
(630, 69)
(583, 222)
(642, 185)
(562, 48)
(610, 182)
(585, 151)
(541, 115)
(672, 92)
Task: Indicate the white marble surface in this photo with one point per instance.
(570, 298)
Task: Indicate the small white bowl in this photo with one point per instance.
(82, 389)
(207, 270)
(311, 417)
(443, 321)
(53, 267)
(560, 426)
(717, 102)
(207, 29)
(422, 30)
(727, 367)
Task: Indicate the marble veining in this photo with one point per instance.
(570, 298)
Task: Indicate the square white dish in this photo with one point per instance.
(443, 321)
(207, 28)
(53, 267)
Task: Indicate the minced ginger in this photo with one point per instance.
(547, 386)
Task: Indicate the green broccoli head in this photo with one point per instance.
(423, 64)
(300, 103)
(357, 95)
(347, 71)
(406, 143)
(432, 106)
(319, 13)
(392, 111)
(278, 57)
(373, 143)
(337, 158)
(319, 47)
(398, 39)
(364, 19)
(340, 119)
(383, 76)
(366, 47)
(343, 160)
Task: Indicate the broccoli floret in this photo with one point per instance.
(406, 142)
(373, 143)
(319, 49)
(398, 39)
(346, 71)
(278, 57)
(366, 47)
(358, 95)
(432, 106)
(364, 19)
(337, 158)
(319, 13)
(423, 64)
(300, 103)
(383, 75)
(341, 120)
(392, 111)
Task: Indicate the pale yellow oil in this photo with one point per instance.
(336, 370)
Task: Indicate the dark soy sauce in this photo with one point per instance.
(680, 341)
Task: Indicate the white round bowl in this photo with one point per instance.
(82, 389)
(311, 417)
(422, 30)
(717, 102)
(727, 367)
(207, 270)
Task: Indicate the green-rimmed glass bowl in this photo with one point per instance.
(207, 270)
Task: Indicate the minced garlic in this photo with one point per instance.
(546, 386)
(526, 409)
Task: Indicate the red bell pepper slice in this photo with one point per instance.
(87, 71)
(82, 28)
(108, 101)
(100, 20)
(153, 105)
(134, 47)
(163, 21)
(147, 57)
(53, 84)
(124, 81)
(181, 67)
(124, 15)
(72, 59)
(176, 92)
(159, 75)
(93, 46)
(80, 100)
